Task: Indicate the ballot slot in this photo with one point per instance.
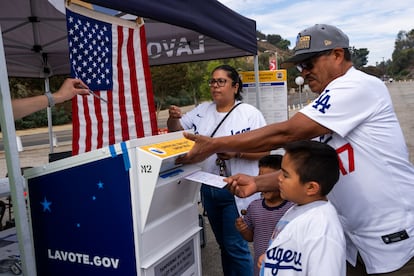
(173, 194)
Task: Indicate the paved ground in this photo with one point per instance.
(403, 98)
(402, 94)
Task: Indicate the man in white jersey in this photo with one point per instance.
(353, 114)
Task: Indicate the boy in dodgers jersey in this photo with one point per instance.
(308, 239)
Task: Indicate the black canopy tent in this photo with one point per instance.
(167, 44)
(34, 33)
(208, 17)
(34, 39)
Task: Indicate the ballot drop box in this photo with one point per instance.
(126, 209)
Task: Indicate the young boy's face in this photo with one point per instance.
(289, 185)
(274, 195)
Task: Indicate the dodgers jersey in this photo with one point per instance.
(308, 240)
(374, 196)
(204, 119)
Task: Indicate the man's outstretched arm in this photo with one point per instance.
(267, 138)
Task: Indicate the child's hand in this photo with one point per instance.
(241, 224)
(260, 261)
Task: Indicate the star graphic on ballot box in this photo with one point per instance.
(46, 205)
(100, 185)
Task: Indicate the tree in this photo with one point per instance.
(195, 79)
(264, 61)
(283, 44)
(404, 41)
(260, 35)
(278, 41)
(274, 39)
(359, 56)
(403, 55)
(167, 82)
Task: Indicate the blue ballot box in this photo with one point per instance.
(126, 209)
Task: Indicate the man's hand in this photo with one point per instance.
(241, 185)
(202, 149)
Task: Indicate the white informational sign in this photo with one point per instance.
(272, 93)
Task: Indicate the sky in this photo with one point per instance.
(371, 24)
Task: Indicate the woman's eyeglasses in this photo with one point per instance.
(220, 82)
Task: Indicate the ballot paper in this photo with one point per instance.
(207, 178)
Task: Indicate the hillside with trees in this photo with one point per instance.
(186, 84)
(402, 64)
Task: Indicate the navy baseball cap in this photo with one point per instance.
(316, 39)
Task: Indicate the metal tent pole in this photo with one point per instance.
(16, 180)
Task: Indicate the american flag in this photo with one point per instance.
(110, 57)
